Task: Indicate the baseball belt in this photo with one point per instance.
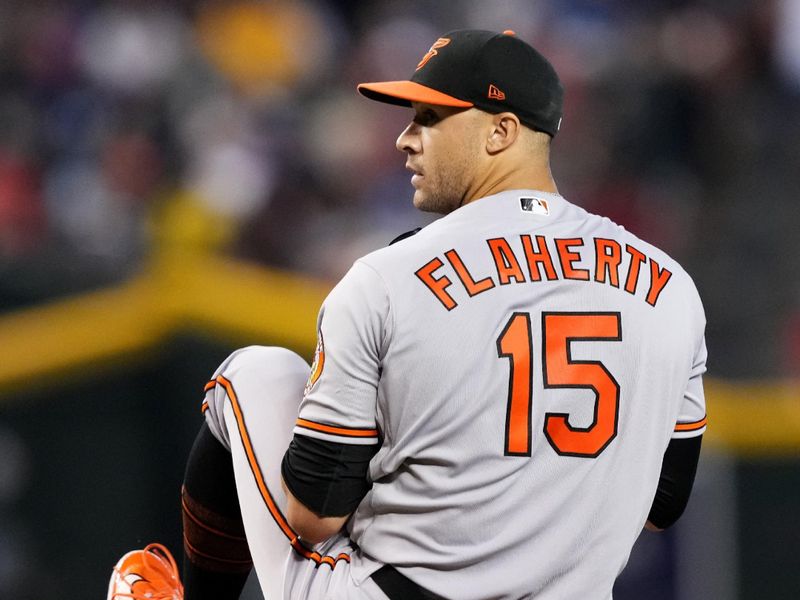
(399, 587)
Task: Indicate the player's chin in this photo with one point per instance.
(431, 204)
(426, 202)
(419, 200)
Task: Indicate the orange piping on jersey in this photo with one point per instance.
(329, 560)
(658, 281)
(210, 385)
(692, 426)
(344, 431)
(269, 501)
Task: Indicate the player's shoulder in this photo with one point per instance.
(403, 249)
(656, 253)
(376, 277)
(634, 245)
(382, 263)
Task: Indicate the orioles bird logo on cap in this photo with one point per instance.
(440, 43)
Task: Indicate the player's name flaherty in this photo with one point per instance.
(613, 265)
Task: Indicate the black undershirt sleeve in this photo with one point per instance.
(328, 478)
(676, 481)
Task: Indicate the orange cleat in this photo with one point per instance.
(149, 574)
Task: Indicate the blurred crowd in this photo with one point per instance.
(234, 126)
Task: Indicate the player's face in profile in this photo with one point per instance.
(441, 144)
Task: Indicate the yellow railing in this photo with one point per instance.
(180, 291)
(234, 301)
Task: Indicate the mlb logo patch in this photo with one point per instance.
(534, 206)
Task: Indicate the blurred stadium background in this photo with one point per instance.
(180, 178)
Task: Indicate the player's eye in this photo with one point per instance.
(426, 118)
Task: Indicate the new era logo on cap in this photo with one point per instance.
(495, 93)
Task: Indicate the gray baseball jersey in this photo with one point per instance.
(523, 365)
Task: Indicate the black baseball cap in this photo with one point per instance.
(495, 72)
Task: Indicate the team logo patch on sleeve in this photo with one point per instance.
(534, 206)
(317, 365)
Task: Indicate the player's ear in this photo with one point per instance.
(504, 131)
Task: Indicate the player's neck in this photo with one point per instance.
(496, 181)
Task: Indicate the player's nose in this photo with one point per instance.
(408, 140)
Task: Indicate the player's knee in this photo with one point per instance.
(267, 368)
(263, 359)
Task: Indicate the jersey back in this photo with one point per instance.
(522, 365)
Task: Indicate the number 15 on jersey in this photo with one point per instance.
(559, 370)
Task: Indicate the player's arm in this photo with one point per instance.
(324, 482)
(675, 483)
(307, 524)
(679, 465)
(325, 469)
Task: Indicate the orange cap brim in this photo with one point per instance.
(403, 93)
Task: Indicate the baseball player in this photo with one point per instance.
(498, 403)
